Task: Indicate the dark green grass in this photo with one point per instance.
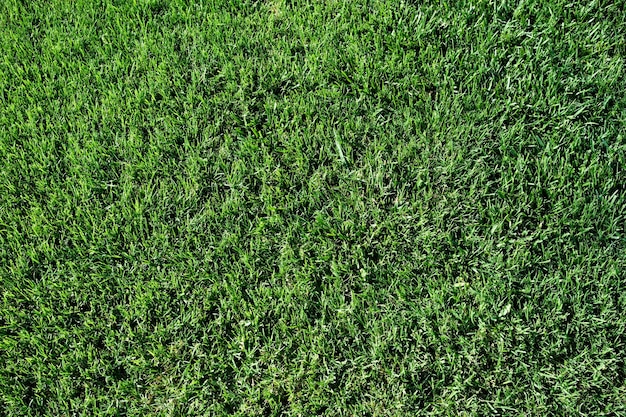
(312, 208)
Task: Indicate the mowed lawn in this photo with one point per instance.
(301, 208)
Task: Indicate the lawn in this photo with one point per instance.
(300, 208)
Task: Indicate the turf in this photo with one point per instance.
(263, 208)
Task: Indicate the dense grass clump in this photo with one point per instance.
(263, 208)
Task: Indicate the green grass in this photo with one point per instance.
(263, 208)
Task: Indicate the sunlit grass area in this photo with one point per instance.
(299, 208)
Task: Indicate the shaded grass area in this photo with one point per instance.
(312, 208)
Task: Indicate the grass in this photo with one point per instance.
(263, 208)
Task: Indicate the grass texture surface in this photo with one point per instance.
(298, 208)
